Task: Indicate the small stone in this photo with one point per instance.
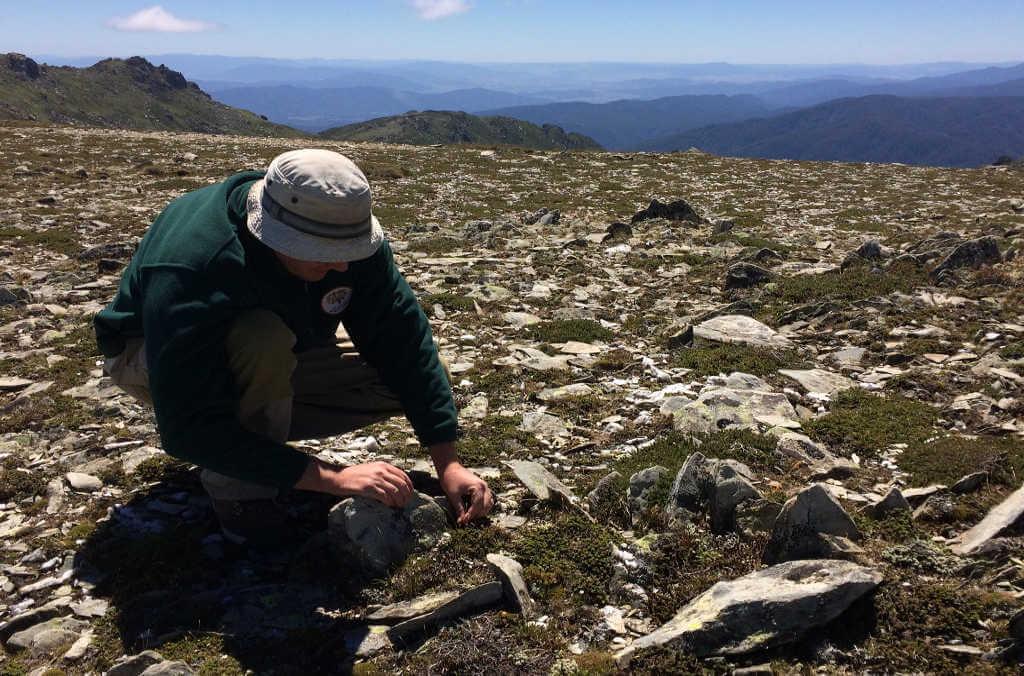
(605, 492)
(740, 329)
(13, 384)
(819, 380)
(79, 648)
(746, 275)
(565, 392)
(678, 210)
(969, 483)
(468, 602)
(405, 610)
(86, 483)
(892, 503)
(542, 483)
(168, 668)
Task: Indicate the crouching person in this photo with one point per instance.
(226, 322)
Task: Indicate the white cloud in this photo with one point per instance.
(439, 9)
(156, 19)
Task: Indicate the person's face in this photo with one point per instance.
(308, 271)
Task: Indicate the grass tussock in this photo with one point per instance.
(569, 558)
(564, 330)
(854, 285)
(726, 358)
(865, 424)
(945, 460)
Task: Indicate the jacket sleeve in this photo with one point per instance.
(388, 327)
(194, 393)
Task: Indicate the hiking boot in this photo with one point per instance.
(257, 522)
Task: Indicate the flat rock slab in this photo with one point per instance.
(761, 610)
(12, 383)
(86, 483)
(372, 639)
(1003, 516)
(543, 424)
(406, 610)
(565, 392)
(539, 481)
(740, 329)
(819, 380)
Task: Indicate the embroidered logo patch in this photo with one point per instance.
(336, 300)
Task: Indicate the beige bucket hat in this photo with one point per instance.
(314, 205)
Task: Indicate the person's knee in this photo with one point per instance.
(259, 348)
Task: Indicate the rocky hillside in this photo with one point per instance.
(433, 127)
(129, 94)
(737, 414)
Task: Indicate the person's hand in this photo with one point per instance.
(378, 481)
(463, 487)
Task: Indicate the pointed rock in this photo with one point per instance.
(892, 503)
(804, 518)
(510, 572)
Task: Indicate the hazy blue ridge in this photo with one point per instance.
(949, 131)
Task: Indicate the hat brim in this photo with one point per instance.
(303, 246)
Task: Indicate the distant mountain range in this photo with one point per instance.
(430, 127)
(943, 113)
(128, 94)
(315, 109)
(952, 131)
(625, 125)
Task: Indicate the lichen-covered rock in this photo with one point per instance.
(761, 610)
(375, 537)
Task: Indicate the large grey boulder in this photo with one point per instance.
(376, 536)
(761, 610)
(678, 210)
(812, 524)
(1003, 516)
(972, 253)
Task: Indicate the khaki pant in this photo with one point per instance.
(316, 393)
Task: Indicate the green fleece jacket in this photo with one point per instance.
(196, 269)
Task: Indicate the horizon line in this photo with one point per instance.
(327, 59)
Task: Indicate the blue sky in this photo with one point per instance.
(738, 31)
